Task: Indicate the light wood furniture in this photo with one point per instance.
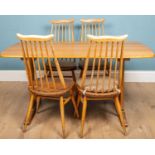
(63, 31)
(39, 83)
(93, 27)
(132, 50)
(99, 86)
(101, 117)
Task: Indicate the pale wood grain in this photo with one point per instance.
(91, 26)
(79, 50)
(101, 85)
(63, 31)
(42, 85)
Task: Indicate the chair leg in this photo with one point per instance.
(74, 104)
(84, 109)
(81, 73)
(28, 114)
(78, 100)
(120, 114)
(73, 76)
(124, 114)
(38, 100)
(107, 72)
(62, 116)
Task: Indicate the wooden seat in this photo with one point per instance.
(92, 88)
(63, 31)
(51, 91)
(36, 50)
(99, 86)
(93, 27)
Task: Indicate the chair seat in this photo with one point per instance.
(64, 64)
(113, 87)
(50, 91)
(90, 64)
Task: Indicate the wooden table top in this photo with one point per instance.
(79, 50)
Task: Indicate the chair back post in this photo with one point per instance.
(121, 65)
(58, 66)
(63, 30)
(91, 26)
(86, 65)
(37, 50)
(104, 49)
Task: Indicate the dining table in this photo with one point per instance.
(76, 50)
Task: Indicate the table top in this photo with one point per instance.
(79, 50)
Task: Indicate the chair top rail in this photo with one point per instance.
(107, 38)
(34, 37)
(64, 21)
(100, 20)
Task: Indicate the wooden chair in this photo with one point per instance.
(99, 86)
(93, 27)
(63, 31)
(36, 50)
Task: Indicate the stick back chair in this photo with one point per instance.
(36, 51)
(93, 27)
(63, 31)
(99, 86)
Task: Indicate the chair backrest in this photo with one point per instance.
(36, 51)
(91, 26)
(63, 30)
(104, 49)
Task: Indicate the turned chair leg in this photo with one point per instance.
(120, 114)
(38, 102)
(29, 112)
(124, 115)
(73, 76)
(74, 104)
(84, 109)
(81, 73)
(62, 115)
(78, 100)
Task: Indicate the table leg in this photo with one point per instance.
(34, 105)
(122, 86)
(122, 94)
(32, 69)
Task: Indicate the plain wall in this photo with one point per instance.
(139, 28)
